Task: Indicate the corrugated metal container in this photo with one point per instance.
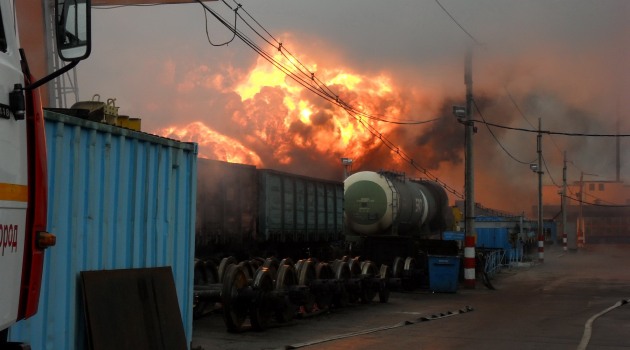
(227, 209)
(492, 237)
(298, 208)
(117, 199)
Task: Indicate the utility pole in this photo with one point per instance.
(541, 234)
(563, 203)
(469, 206)
(581, 229)
(618, 168)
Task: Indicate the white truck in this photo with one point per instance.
(23, 170)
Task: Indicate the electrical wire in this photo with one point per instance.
(459, 25)
(517, 107)
(233, 32)
(598, 204)
(549, 172)
(549, 132)
(496, 138)
(105, 7)
(308, 81)
(520, 111)
(310, 78)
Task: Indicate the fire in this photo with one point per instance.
(282, 124)
(212, 144)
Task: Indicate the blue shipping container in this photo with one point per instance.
(117, 199)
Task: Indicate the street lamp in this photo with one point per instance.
(347, 164)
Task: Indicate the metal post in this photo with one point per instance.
(469, 250)
(581, 228)
(541, 234)
(563, 203)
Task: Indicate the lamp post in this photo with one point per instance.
(347, 164)
(537, 168)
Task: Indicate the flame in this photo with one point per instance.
(219, 146)
(281, 123)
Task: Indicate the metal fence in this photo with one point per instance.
(491, 259)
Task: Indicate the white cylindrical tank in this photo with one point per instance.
(389, 204)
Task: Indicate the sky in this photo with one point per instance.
(563, 62)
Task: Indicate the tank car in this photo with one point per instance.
(389, 215)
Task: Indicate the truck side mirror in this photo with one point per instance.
(73, 29)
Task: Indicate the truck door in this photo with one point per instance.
(13, 173)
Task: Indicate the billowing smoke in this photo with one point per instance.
(272, 122)
(539, 62)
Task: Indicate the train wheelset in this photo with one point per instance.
(271, 290)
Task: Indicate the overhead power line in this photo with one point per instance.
(549, 132)
(297, 70)
(497, 139)
(459, 25)
(299, 73)
(598, 204)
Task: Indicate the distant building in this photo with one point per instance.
(597, 211)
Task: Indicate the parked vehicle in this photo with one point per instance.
(23, 168)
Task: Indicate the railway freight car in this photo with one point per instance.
(390, 217)
(246, 212)
(270, 243)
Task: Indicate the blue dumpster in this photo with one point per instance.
(443, 273)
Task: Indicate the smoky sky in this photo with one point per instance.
(562, 61)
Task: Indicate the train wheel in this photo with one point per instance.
(262, 309)
(212, 272)
(287, 261)
(248, 268)
(286, 279)
(410, 264)
(298, 266)
(383, 292)
(306, 274)
(409, 282)
(342, 273)
(200, 278)
(234, 310)
(397, 267)
(355, 273)
(355, 266)
(225, 262)
(257, 262)
(369, 272)
(324, 272)
(272, 264)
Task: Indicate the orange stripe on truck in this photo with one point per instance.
(13, 192)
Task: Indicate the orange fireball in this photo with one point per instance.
(282, 122)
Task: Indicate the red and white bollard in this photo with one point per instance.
(469, 262)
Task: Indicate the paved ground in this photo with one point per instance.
(543, 306)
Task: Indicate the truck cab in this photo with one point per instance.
(13, 172)
(23, 170)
